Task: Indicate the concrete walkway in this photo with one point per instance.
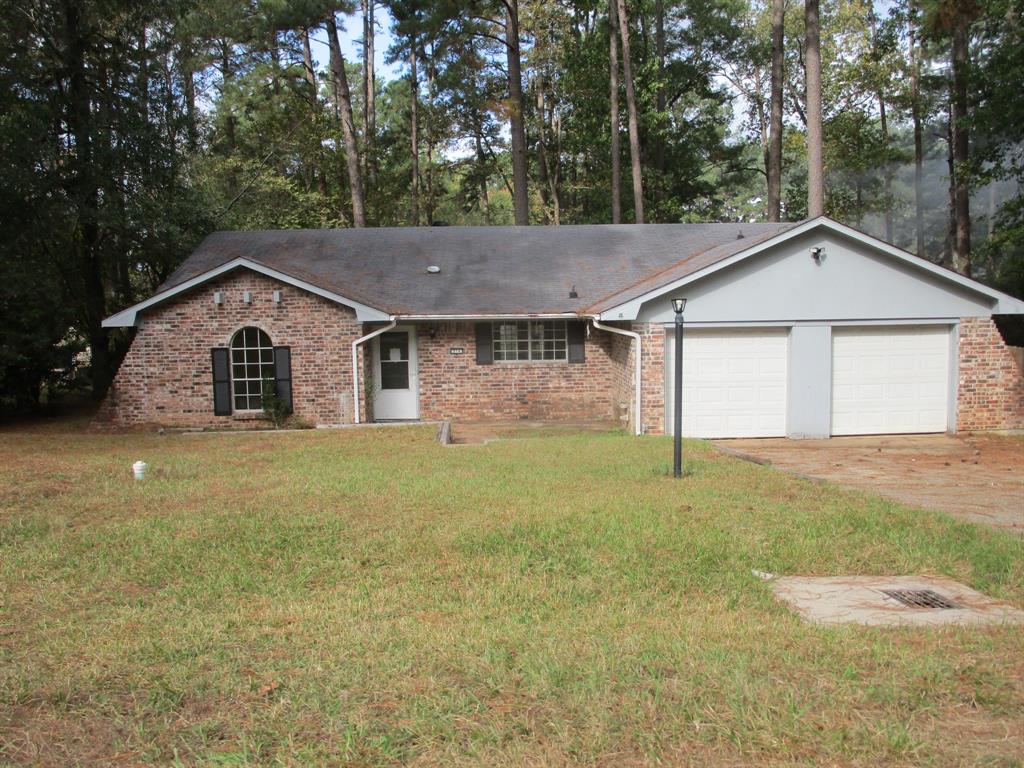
(979, 478)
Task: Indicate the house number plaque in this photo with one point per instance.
(456, 351)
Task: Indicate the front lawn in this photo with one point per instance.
(367, 597)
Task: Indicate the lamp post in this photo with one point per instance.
(678, 305)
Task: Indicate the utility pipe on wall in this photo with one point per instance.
(355, 361)
(638, 363)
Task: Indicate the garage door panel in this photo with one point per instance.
(734, 382)
(890, 380)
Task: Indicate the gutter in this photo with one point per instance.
(355, 362)
(638, 364)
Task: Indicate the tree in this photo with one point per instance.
(774, 161)
(344, 99)
(613, 100)
(634, 129)
(815, 160)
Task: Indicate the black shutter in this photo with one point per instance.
(283, 375)
(484, 346)
(221, 381)
(576, 334)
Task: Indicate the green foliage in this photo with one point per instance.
(275, 408)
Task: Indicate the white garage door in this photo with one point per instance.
(734, 382)
(890, 380)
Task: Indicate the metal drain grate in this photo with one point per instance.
(919, 598)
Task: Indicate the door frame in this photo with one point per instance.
(414, 369)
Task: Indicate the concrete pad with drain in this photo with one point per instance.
(891, 601)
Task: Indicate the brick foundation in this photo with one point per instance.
(991, 391)
(166, 377)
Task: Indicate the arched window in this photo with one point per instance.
(252, 362)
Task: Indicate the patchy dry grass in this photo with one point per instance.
(369, 597)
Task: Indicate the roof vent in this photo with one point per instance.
(572, 293)
(740, 235)
(433, 269)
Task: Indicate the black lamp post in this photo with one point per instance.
(678, 305)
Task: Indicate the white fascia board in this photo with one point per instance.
(128, 317)
(1004, 303)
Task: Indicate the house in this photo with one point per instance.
(805, 329)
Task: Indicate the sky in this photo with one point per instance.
(350, 37)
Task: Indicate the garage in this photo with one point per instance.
(889, 380)
(734, 382)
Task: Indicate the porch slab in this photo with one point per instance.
(862, 600)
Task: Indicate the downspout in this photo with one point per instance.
(355, 362)
(638, 362)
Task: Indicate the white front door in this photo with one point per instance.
(395, 379)
(890, 380)
(734, 382)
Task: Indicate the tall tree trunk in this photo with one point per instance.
(887, 170)
(228, 74)
(950, 255)
(369, 87)
(431, 134)
(915, 110)
(659, 52)
(517, 124)
(812, 77)
(613, 97)
(773, 166)
(84, 191)
(414, 87)
(308, 70)
(481, 161)
(884, 127)
(962, 200)
(185, 67)
(634, 128)
(347, 126)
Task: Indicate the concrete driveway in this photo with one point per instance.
(979, 478)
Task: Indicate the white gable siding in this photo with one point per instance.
(852, 282)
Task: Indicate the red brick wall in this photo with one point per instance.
(652, 389)
(455, 387)
(991, 391)
(166, 377)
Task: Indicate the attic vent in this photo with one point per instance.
(433, 269)
(919, 598)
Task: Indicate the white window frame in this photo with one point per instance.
(265, 367)
(559, 336)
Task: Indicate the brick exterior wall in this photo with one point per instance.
(652, 394)
(455, 387)
(991, 387)
(166, 377)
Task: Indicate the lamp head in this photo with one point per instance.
(678, 305)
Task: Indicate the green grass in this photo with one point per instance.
(368, 597)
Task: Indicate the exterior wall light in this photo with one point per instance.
(817, 253)
(218, 297)
(277, 297)
(247, 297)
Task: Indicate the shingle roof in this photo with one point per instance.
(484, 270)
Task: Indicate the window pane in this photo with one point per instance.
(394, 375)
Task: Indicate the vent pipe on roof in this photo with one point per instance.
(433, 269)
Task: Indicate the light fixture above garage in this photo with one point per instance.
(817, 253)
